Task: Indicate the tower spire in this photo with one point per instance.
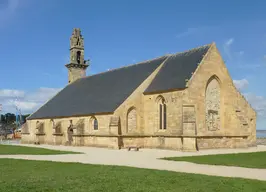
(77, 66)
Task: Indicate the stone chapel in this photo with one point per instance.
(184, 101)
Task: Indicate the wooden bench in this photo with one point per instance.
(133, 147)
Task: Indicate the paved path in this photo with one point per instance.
(148, 158)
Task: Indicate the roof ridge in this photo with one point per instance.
(149, 60)
(191, 50)
(115, 69)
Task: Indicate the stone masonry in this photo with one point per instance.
(209, 113)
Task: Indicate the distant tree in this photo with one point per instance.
(24, 117)
(10, 118)
(3, 118)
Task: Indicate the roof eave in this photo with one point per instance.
(163, 91)
(61, 117)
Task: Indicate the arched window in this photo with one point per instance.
(94, 123)
(132, 119)
(212, 104)
(78, 56)
(162, 113)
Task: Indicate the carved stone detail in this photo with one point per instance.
(76, 38)
(212, 102)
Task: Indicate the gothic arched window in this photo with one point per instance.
(94, 123)
(162, 113)
(212, 104)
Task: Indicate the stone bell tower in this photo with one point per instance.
(77, 66)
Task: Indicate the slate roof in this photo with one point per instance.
(100, 93)
(104, 92)
(177, 69)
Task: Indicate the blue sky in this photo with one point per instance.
(34, 38)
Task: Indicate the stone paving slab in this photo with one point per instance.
(148, 158)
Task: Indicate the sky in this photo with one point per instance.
(34, 38)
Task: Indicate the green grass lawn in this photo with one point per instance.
(40, 176)
(22, 150)
(250, 160)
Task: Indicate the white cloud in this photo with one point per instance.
(23, 105)
(42, 94)
(9, 10)
(236, 58)
(229, 42)
(258, 103)
(241, 84)
(227, 47)
(11, 93)
(28, 102)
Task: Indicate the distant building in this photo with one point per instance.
(184, 101)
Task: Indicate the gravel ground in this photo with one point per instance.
(148, 158)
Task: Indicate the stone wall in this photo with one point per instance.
(26, 139)
(50, 136)
(136, 101)
(75, 73)
(221, 142)
(231, 101)
(173, 101)
(160, 142)
(97, 141)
